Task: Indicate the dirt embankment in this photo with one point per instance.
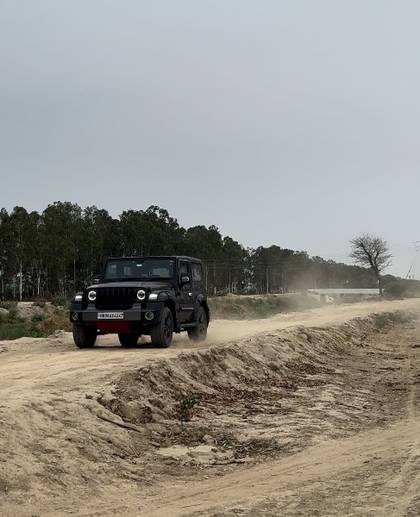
(275, 393)
(92, 434)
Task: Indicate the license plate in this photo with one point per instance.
(110, 315)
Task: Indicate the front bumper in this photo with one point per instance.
(145, 314)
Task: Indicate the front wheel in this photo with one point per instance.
(199, 333)
(162, 333)
(128, 340)
(84, 337)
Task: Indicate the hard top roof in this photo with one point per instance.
(173, 257)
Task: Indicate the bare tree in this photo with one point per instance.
(373, 252)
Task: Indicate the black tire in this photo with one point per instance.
(128, 340)
(84, 337)
(162, 333)
(199, 333)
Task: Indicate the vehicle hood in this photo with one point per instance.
(147, 286)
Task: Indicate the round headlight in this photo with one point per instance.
(92, 296)
(141, 295)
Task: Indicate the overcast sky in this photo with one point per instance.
(288, 122)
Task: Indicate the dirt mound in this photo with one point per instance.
(274, 392)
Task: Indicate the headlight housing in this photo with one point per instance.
(141, 295)
(92, 296)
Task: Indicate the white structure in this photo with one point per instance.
(342, 290)
(329, 294)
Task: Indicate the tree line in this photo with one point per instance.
(58, 251)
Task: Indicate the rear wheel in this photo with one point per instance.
(128, 340)
(162, 333)
(84, 337)
(199, 333)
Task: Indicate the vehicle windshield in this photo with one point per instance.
(139, 269)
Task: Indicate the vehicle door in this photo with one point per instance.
(186, 303)
(198, 290)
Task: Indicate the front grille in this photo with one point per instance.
(115, 297)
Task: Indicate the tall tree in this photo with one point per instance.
(63, 233)
(5, 245)
(23, 244)
(373, 252)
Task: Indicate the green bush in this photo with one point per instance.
(186, 405)
(10, 306)
(17, 329)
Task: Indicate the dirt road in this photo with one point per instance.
(375, 474)
(50, 362)
(351, 446)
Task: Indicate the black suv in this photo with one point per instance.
(156, 296)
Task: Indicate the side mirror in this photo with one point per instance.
(185, 280)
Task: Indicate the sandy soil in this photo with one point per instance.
(320, 421)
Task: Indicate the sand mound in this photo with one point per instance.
(274, 391)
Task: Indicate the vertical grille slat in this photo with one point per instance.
(115, 297)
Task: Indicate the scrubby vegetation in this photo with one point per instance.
(185, 407)
(253, 307)
(402, 288)
(42, 323)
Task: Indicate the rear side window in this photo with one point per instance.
(197, 272)
(183, 269)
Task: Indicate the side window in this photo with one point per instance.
(183, 269)
(197, 273)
